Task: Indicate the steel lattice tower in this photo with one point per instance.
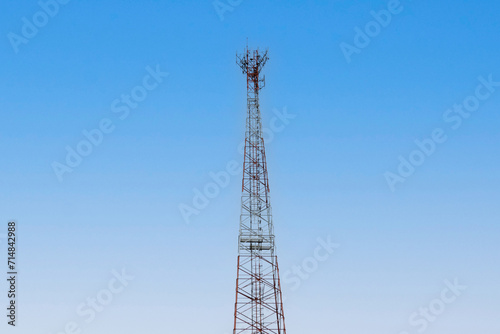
(259, 304)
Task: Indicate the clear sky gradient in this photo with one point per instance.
(119, 206)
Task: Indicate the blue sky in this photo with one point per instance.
(119, 207)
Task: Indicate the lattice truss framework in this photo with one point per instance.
(259, 302)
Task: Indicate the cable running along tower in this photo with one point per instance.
(259, 304)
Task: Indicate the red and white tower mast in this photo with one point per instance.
(259, 302)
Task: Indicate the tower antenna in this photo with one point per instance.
(259, 301)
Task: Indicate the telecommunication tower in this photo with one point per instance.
(259, 302)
